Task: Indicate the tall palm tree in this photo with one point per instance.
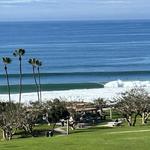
(32, 61)
(39, 64)
(20, 53)
(6, 61)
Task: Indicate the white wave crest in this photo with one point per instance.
(127, 84)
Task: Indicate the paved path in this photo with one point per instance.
(60, 130)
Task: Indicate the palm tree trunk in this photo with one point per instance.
(36, 84)
(8, 85)
(40, 92)
(20, 84)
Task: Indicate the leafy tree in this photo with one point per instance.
(8, 119)
(29, 117)
(133, 103)
(55, 111)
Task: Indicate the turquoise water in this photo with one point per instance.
(77, 54)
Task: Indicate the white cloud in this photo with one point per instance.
(65, 4)
(73, 9)
(65, 1)
(17, 1)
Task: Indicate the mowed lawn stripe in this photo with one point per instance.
(88, 139)
(128, 131)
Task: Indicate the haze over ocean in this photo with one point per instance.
(89, 52)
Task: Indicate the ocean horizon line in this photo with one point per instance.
(76, 20)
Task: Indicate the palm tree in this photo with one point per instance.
(6, 61)
(39, 64)
(32, 61)
(20, 53)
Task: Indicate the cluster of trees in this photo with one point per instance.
(14, 116)
(25, 118)
(134, 103)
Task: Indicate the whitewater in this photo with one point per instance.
(110, 91)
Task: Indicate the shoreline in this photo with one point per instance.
(86, 95)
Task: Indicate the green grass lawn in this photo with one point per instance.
(96, 138)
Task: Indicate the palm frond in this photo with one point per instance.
(38, 63)
(19, 52)
(6, 60)
(32, 61)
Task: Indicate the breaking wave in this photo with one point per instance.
(127, 84)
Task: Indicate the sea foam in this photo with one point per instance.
(127, 84)
(111, 90)
(86, 95)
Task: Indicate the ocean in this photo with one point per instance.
(76, 54)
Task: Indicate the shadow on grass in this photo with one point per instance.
(36, 133)
(42, 132)
(10, 147)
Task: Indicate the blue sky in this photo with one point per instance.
(11, 10)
